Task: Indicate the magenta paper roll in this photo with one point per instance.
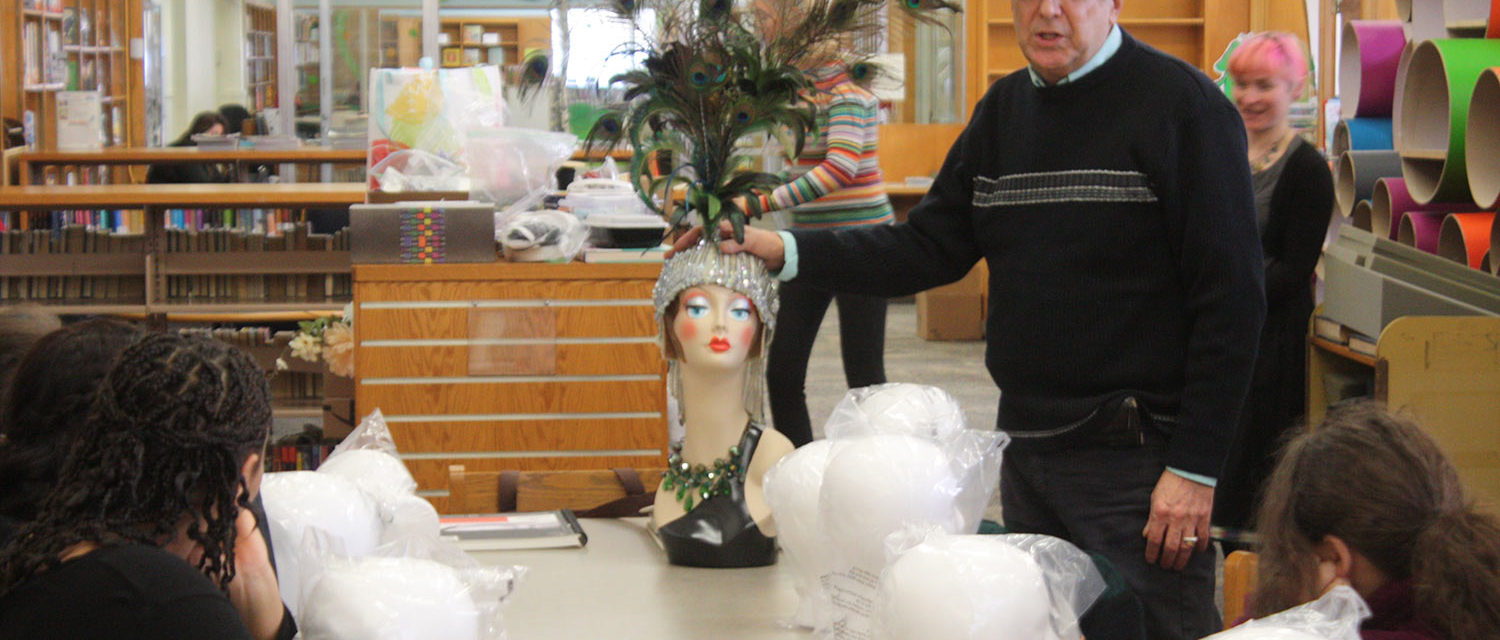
(1372, 51)
(1390, 202)
(1421, 229)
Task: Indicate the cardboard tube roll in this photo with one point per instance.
(1361, 216)
(1362, 134)
(1367, 69)
(1355, 177)
(1420, 229)
(1390, 201)
(1465, 237)
(1495, 246)
(1439, 83)
(1482, 139)
(1403, 10)
(1466, 16)
(1427, 20)
(1484, 263)
(1401, 70)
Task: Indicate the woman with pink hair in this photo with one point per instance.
(1293, 200)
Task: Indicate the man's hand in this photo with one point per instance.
(253, 590)
(763, 244)
(1178, 526)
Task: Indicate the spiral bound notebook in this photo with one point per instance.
(501, 531)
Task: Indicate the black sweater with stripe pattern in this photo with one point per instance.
(1117, 218)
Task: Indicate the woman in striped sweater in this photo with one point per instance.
(837, 183)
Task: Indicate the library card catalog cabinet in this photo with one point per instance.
(511, 366)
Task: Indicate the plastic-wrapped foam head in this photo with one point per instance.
(390, 598)
(408, 516)
(875, 484)
(896, 408)
(964, 588)
(1266, 633)
(299, 500)
(373, 470)
(1335, 615)
(792, 487)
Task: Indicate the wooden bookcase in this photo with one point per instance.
(260, 57)
(62, 45)
(466, 45)
(1444, 371)
(527, 366)
(1195, 30)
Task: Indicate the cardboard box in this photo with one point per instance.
(949, 316)
(422, 233)
(955, 311)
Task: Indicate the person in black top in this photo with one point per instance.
(45, 408)
(1293, 201)
(207, 123)
(1107, 187)
(146, 532)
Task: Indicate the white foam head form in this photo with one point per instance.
(964, 588)
(379, 598)
(297, 501)
(896, 408)
(371, 469)
(876, 484)
(792, 488)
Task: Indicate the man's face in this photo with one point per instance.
(1059, 36)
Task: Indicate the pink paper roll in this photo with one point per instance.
(1390, 201)
(1421, 229)
(1372, 51)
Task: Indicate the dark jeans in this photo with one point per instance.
(1099, 498)
(861, 339)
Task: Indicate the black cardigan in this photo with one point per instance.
(1301, 205)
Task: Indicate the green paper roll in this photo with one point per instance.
(1435, 105)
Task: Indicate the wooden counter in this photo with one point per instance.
(511, 366)
(182, 196)
(31, 162)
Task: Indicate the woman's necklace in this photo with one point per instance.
(1264, 160)
(699, 482)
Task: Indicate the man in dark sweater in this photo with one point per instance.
(1107, 187)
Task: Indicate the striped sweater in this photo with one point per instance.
(837, 177)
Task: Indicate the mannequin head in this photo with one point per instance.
(714, 314)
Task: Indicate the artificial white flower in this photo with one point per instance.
(306, 347)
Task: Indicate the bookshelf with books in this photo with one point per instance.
(1445, 370)
(467, 41)
(73, 45)
(189, 249)
(260, 57)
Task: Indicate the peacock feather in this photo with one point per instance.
(716, 72)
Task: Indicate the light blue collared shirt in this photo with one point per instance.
(1111, 46)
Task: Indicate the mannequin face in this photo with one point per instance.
(715, 327)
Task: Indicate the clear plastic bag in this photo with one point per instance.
(411, 589)
(300, 502)
(1335, 616)
(431, 113)
(515, 168)
(418, 170)
(368, 458)
(970, 587)
(902, 457)
(542, 236)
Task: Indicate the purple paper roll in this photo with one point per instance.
(1390, 201)
(1372, 51)
(1421, 229)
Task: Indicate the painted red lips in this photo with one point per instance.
(719, 345)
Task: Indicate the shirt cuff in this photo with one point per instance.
(1195, 477)
(789, 244)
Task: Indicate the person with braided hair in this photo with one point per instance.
(147, 532)
(45, 408)
(1368, 500)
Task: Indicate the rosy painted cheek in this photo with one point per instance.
(687, 331)
(746, 336)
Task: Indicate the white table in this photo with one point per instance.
(620, 586)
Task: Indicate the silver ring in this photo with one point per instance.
(1190, 539)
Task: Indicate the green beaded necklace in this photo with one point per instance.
(698, 481)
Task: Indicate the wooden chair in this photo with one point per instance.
(503, 491)
(1239, 583)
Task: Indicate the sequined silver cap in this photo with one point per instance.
(742, 273)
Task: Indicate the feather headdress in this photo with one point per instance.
(715, 71)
